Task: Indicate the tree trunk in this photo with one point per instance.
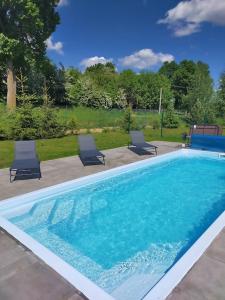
(11, 87)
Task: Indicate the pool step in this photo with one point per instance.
(53, 211)
(38, 214)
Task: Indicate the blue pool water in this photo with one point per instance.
(126, 231)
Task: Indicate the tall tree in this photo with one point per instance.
(201, 87)
(128, 82)
(148, 92)
(221, 97)
(168, 69)
(24, 27)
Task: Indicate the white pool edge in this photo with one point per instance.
(79, 281)
(167, 283)
(174, 276)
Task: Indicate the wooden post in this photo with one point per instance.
(160, 100)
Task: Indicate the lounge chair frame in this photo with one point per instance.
(138, 142)
(26, 162)
(88, 150)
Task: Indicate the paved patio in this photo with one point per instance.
(23, 276)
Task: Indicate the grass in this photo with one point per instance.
(98, 118)
(68, 146)
(93, 118)
(90, 118)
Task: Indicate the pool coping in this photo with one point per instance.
(164, 286)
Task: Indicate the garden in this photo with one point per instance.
(53, 103)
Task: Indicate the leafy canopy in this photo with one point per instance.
(24, 27)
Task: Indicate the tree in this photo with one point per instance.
(24, 27)
(101, 69)
(149, 85)
(128, 121)
(168, 69)
(3, 87)
(128, 82)
(221, 97)
(72, 76)
(170, 119)
(201, 90)
(182, 81)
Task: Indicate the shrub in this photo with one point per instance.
(170, 119)
(128, 121)
(23, 123)
(72, 124)
(201, 113)
(155, 124)
(48, 125)
(29, 123)
(3, 133)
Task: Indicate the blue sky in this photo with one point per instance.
(140, 34)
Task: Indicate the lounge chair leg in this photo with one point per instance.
(10, 176)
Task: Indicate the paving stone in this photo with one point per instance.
(35, 282)
(205, 281)
(217, 249)
(77, 297)
(68, 168)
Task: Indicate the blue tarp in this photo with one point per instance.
(208, 142)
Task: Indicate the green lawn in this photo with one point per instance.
(90, 118)
(98, 118)
(93, 118)
(67, 146)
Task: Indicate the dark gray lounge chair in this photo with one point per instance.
(138, 142)
(88, 150)
(26, 163)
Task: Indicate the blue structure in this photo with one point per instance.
(208, 142)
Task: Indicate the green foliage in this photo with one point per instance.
(29, 123)
(189, 81)
(148, 90)
(3, 84)
(128, 122)
(220, 101)
(86, 93)
(201, 87)
(155, 124)
(3, 133)
(100, 86)
(100, 71)
(202, 113)
(168, 69)
(25, 26)
(48, 125)
(128, 82)
(24, 124)
(71, 76)
(72, 124)
(170, 119)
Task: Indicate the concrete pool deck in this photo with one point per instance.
(24, 276)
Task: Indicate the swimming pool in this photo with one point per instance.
(120, 234)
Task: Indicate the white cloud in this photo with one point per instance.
(57, 46)
(91, 61)
(63, 3)
(186, 18)
(144, 59)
